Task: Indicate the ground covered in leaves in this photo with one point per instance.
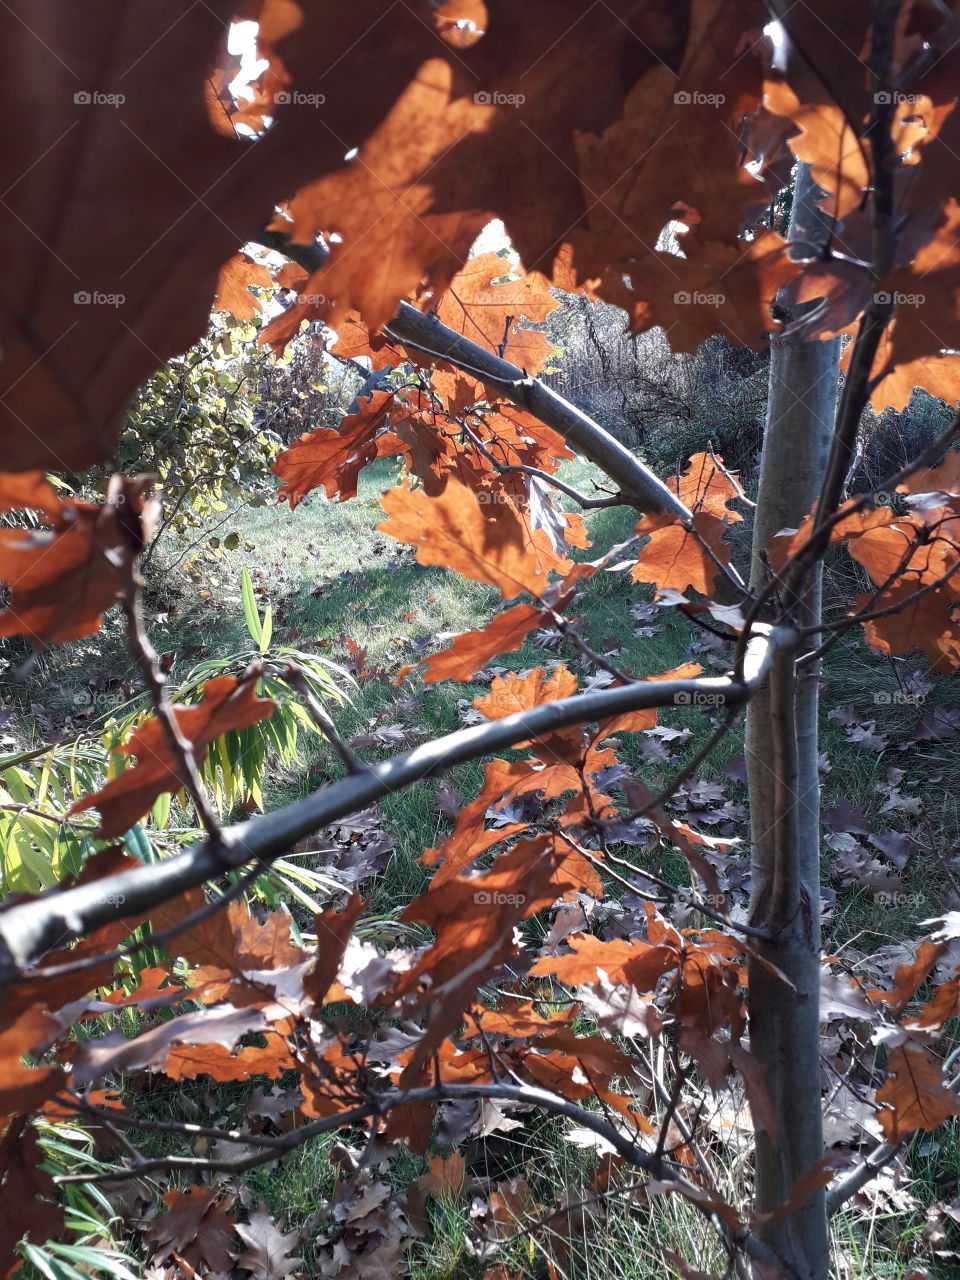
(338, 588)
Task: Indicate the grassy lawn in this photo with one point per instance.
(339, 588)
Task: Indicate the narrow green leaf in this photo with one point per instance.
(250, 612)
(267, 629)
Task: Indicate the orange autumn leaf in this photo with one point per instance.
(942, 479)
(474, 649)
(503, 781)
(333, 930)
(237, 276)
(29, 489)
(187, 1062)
(22, 1087)
(211, 942)
(915, 1093)
(677, 558)
(850, 526)
(473, 920)
(943, 1005)
(909, 977)
(905, 547)
(445, 1176)
(63, 578)
(456, 531)
(706, 486)
(489, 314)
(924, 622)
(636, 964)
(227, 704)
(334, 457)
(115, 273)
(512, 694)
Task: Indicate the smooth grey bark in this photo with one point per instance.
(783, 781)
(30, 928)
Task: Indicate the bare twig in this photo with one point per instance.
(530, 1095)
(29, 929)
(295, 678)
(144, 654)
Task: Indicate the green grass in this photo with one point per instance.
(329, 576)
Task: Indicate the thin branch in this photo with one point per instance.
(295, 678)
(503, 468)
(670, 889)
(528, 1095)
(841, 627)
(877, 1160)
(29, 929)
(145, 656)
(589, 504)
(640, 487)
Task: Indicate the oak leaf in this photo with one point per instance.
(915, 1092)
(23, 1088)
(513, 693)
(237, 277)
(63, 578)
(473, 919)
(221, 1025)
(458, 532)
(469, 652)
(916, 621)
(489, 313)
(909, 977)
(676, 558)
(334, 458)
(95, 302)
(268, 1249)
(706, 485)
(187, 1062)
(636, 964)
(196, 1228)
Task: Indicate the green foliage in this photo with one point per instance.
(94, 1249)
(39, 847)
(194, 425)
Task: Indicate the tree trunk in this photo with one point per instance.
(781, 749)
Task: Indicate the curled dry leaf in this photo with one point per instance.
(63, 578)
